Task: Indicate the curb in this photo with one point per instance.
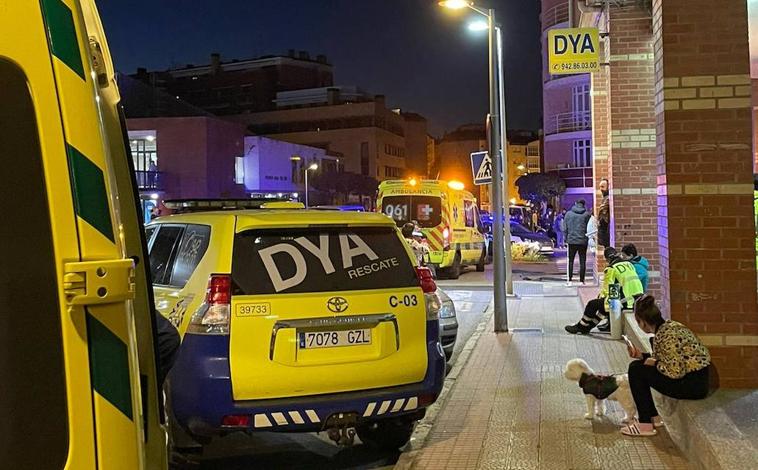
(421, 433)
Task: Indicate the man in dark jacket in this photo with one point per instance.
(575, 227)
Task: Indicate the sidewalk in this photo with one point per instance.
(510, 406)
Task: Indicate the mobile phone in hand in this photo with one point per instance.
(629, 344)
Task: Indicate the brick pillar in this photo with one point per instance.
(601, 131)
(705, 162)
(632, 161)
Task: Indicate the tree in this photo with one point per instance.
(540, 187)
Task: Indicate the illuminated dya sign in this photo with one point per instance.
(573, 50)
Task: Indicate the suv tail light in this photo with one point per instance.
(212, 318)
(429, 287)
(426, 279)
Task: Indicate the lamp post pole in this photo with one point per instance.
(498, 251)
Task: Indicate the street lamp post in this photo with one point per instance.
(498, 151)
(312, 167)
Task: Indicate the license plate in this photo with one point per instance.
(334, 339)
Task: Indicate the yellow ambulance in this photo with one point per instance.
(78, 363)
(448, 216)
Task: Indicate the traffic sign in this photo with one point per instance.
(481, 168)
(573, 50)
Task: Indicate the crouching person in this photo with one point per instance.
(678, 367)
(619, 271)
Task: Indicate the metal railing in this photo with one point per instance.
(149, 179)
(568, 122)
(578, 177)
(556, 15)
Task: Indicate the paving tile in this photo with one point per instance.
(511, 407)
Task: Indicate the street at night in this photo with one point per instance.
(396, 234)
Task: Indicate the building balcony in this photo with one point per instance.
(556, 15)
(149, 180)
(575, 178)
(568, 122)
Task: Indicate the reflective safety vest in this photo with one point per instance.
(624, 274)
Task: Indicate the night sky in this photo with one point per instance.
(418, 54)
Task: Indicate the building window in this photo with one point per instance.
(394, 150)
(239, 170)
(583, 153)
(581, 97)
(364, 159)
(393, 172)
(144, 148)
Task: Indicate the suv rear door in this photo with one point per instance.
(323, 310)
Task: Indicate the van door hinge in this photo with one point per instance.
(99, 282)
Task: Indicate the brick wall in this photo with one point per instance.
(705, 163)
(632, 159)
(601, 131)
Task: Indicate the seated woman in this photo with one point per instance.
(678, 367)
(619, 271)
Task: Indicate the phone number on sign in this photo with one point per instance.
(577, 66)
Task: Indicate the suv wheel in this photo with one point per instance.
(388, 434)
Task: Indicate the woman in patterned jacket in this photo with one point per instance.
(678, 367)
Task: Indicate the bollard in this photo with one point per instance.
(614, 317)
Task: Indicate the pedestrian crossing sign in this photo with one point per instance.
(481, 167)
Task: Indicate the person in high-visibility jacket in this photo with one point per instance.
(619, 271)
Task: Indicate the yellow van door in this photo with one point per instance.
(66, 299)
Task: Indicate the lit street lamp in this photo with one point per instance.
(501, 259)
(312, 167)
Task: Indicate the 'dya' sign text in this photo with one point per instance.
(573, 50)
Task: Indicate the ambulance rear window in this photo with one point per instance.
(320, 260)
(426, 210)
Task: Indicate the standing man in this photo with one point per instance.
(575, 227)
(558, 227)
(604, 216)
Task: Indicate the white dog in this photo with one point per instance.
(598, 388)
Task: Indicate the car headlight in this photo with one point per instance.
(447, 310)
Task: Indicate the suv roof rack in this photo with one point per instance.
(180, 206)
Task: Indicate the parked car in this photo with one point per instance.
(519, 234)
(448, 324)
(295, 321)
